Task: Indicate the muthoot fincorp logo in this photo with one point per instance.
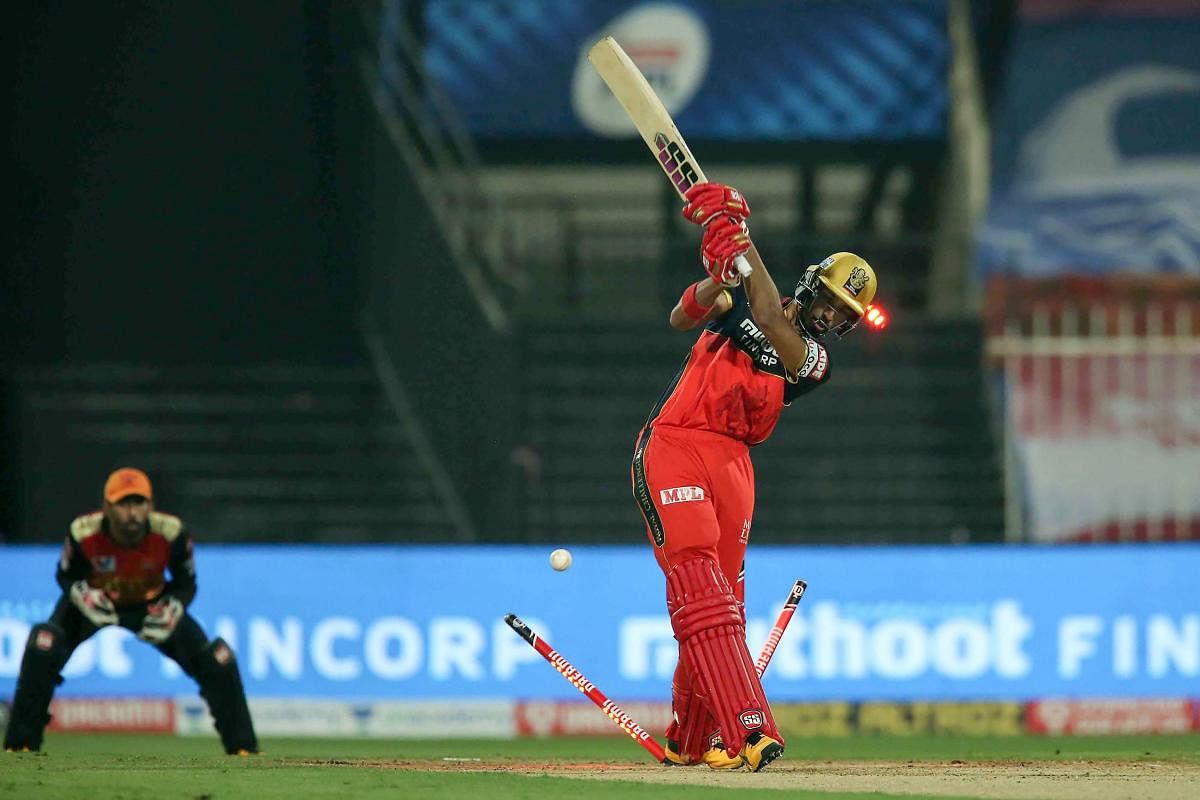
(828, 643)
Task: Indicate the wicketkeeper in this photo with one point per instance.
(692, 476)
(113, 572)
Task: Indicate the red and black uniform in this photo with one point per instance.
(133, 578)
(692, 475)
(694, 483)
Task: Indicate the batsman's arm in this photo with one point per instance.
(701, 302)
(767, 311)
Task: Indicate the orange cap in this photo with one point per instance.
(127, 481)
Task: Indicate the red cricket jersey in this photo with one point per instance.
(733, 382)
(129, 575)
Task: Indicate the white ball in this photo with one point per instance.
(560, 559)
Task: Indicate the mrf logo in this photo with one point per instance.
(751, 720)
(681, 494)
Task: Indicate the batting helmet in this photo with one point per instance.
(832, 296)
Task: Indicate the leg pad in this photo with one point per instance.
(216, 672)
(708, 623)
(45, 654)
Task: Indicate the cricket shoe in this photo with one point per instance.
(674, 757)
(760, 750)
(714, 757)
(718, 758)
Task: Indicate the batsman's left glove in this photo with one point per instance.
(725, 238)
(161, 618)
(707, 200)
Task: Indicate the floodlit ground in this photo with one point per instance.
(1020, 768)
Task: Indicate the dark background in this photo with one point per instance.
(208, 185)
(173, 176)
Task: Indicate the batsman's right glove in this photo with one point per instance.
(725, 238)
(93, 604)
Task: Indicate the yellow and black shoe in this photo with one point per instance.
(674, 757)
(717, 757)
(760, 750)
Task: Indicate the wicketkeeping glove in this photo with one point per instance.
(725, 238)
(94, 604)
(161, 618)
(707, 200)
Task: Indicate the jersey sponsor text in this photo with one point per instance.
(681, 494)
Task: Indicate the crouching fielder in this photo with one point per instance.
(692, 476)
(113, 572)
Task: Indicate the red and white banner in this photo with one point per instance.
(1098, 717)
(574, 718)
(1107, 444)
(113, 714)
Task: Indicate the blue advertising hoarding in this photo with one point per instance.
(877, 623)
(754, 70)
(1095, 159)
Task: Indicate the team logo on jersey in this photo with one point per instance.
(681, 494)
(856, 282)
(104, 563)
(44, 640)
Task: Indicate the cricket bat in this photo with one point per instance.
(650, 117)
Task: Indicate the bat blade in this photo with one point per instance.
(651, 118)
(647, 112)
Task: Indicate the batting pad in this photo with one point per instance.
(44, 657)
(694, 723)
(712, 638)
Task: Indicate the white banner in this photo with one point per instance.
(388, 719)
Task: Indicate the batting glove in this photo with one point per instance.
(93, 604)
(706, 200)
(161, 618)
(725, 239)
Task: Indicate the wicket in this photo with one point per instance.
(611, 709)
(577, 679)
(785, 616)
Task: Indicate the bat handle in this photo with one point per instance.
(743, 266)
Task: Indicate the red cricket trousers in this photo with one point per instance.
(695, 489)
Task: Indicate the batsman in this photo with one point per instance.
(692, 477)
(113, 572)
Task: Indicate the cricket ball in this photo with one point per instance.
(560, 559)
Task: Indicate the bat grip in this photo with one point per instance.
(743, 266)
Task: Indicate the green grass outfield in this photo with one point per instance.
(96, 767)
